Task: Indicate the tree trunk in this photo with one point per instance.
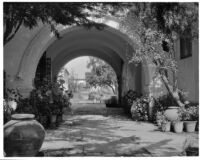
(174, 93)
(112, 89)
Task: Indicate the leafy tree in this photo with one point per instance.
(72, 81)
(154, 28)
(102, 74)
(30, 15)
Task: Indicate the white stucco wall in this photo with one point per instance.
(188, 71)
(22, 54)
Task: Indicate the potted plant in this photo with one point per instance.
(60, 113)
(158, 116)
(129, 99)
(7, 111)
(171, 111)
(139, 109)
(190, 118)
(165, 124)
(54, 109)
(177, 125)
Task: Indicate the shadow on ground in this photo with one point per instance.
(108, 135)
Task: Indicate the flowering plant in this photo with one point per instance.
(190, 114)
(161, 118)
(129, 99)
(139, 109)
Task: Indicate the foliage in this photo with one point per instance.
(102, 74)
(154, 27)
(165, 100)
(72, 82)
(129, 98)
(11, 98)
(139, 109)
(31, 15)
(160, 105)
(7, 112)
(191, 113)
(44, 101)
(12, 95)
(24, 106)
(161, 119)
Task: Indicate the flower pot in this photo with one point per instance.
(171, 113)
(23, 136)
(177, 126)
(190, 126)
(166, 126)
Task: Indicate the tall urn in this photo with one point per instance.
(23, 136)
(171, 113)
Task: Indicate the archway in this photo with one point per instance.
(109, 44)
(80, 78)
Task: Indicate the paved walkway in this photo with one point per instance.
(111, 133)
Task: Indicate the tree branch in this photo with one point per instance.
(7, 38)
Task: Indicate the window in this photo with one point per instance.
(186, 45)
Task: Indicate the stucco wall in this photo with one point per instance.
(14, 53)
(188, 71)
(22, 54)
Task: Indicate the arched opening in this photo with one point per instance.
(90, 79)
(108, 44)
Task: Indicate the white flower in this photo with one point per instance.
(12, 104)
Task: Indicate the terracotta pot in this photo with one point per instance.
(177, 126)
(23, 136)
(190, 126)
(171, 113)
(166, 127)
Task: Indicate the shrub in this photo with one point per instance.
(160, 105)
(160, 118)
(139, 109)
(45, 101)
(191, 113)
(128, 100)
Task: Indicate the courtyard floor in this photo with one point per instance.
(94, 130)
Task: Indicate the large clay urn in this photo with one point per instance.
(171, 113)
(23, 136)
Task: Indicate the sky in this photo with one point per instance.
(78, 66)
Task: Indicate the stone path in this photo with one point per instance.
(111, 133)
